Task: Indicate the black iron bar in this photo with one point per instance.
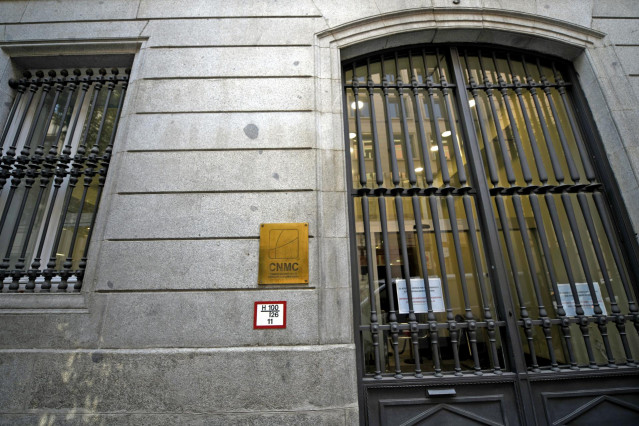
(361, 161)
(389, 128)
(541, 169)
(543, 314)
(468, 316)
(412, 319)
(554, 161)
(600, 318)
(489, 150)
(450, 318)
(374, 327)
(33, 88)
(510, 174)
(419, 235)
(410, 163)
(614, 248)
(91, 165)
(582, 320)
(34, 123)
(546, 87)
(488, 317)
(565, 322)
(583, 153)
(523, 311)
(443, 165)
(14, 107)
(388, 277)
(523, 159)
(379, 174)
(461, 171)
(419, 119)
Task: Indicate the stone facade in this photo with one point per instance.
(233, 118)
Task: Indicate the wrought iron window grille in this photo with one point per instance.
(56, 150)
(486, 201)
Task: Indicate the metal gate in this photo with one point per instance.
(492, 280)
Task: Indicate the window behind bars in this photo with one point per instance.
(56, 149)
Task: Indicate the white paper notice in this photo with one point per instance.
(585, 298)
(418, 292)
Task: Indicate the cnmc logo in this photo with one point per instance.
(284, 244)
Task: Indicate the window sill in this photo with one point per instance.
(42, 303)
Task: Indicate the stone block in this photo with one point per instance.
(191, 171)
(297, 418)
(629, 57)
(336, 315)
(211, 319)
(338, 13)
(207, 215)
(335, 263)
(184, 265)
(619, 31)
(331, 131)
(220, 95)
(232, 32)
(525, 6)
(225, 382)
(615, 8)
(228, 62)
(81, 10)
(74, 30)
(333, 214)
(257, 130)
(12, 11)
(574, 11)
(332, 170)
(220, 8)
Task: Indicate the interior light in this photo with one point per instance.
(352, 135)
(360, 105)
(419, 169)
(352, 150)
(446, 134)
(471, 103)
(433, 148)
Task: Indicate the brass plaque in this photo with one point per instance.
(283, 253)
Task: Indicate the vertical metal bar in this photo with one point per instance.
(612, 242)
(34, 123)
(371, 285)
(389, 128)
(443, 165)
(600, 318)
(14, 107)
(379, 174)
(523, 230)
(556, 167)
(565, 322)
(583, 154)
(523, 159)
(392, 316)
(361, 163)
(428, 172)
(30, 179)
(523, 311)
(582, 320)
(490, 152)
(488, 317)
(410, 164)
(419, 234)
(541, 169)
(510, 174)
(461, 171)
(470, 319)
(572, 169)
(494, 257)
(616, 312)
(412, 319)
